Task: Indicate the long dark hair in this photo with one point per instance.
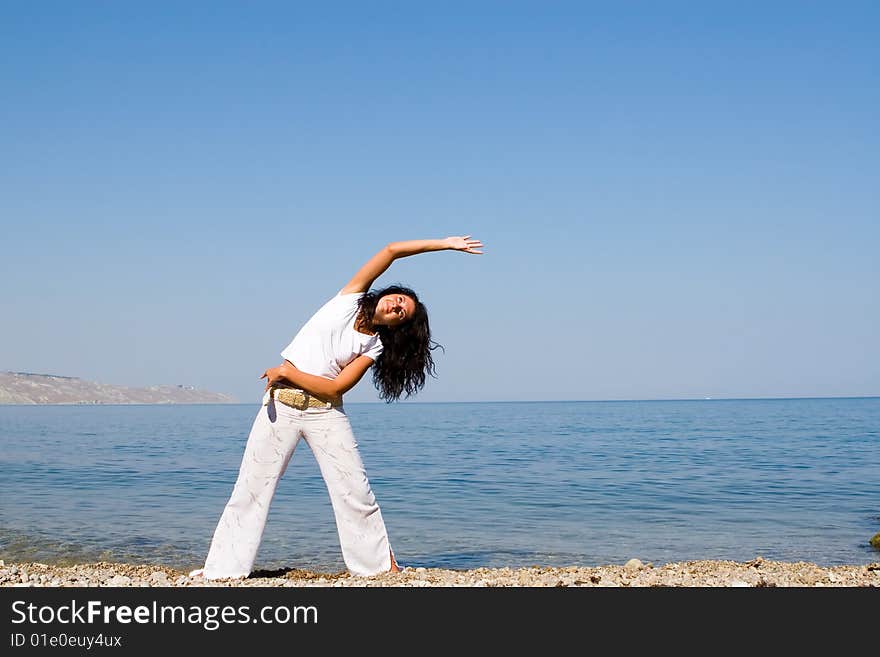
(406, 360)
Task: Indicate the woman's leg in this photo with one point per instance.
(362, 533)
(271, 443)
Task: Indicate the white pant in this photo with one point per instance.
(273, 438)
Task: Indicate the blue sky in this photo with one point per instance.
(678, 199)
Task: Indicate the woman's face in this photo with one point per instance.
(394, 309)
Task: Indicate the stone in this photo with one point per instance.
(159, 577)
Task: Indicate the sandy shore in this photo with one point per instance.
(756, 573)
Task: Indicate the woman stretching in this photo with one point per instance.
(386, 329)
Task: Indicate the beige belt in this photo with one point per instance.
(297, 398)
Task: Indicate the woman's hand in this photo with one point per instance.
(465, 244)
(272, 376)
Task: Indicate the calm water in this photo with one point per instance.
(460, 485)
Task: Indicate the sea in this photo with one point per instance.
(460, 485)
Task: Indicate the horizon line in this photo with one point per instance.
(646, 399)
(480, 401)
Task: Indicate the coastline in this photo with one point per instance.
(755, 573)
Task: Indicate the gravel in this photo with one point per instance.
(632, 573)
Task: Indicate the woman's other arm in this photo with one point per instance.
(318, 385)
(379, 263)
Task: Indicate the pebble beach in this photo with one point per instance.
(633, 573)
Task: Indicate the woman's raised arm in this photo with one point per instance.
(379, 263)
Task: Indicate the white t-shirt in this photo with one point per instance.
(328, 341)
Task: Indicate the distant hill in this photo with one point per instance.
(29, 388)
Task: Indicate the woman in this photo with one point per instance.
(387, 330)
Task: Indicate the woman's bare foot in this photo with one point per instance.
(394, 567)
